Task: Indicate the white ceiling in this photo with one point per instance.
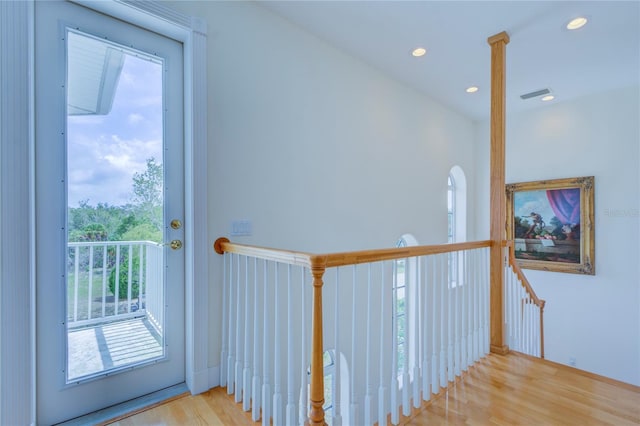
(603, 55)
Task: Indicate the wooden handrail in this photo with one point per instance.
(331, 260)
(223, 245)
(527, 286)
(521, 276)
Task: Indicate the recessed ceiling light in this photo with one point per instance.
(419, 51)
(547, 98)
(576, 23)
(472, 89)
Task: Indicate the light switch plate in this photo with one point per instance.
(241, 228)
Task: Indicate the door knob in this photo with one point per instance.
(176, 244)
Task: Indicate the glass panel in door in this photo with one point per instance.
(114, 285)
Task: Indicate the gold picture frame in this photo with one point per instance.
(551, 224)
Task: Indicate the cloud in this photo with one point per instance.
(104, 152)
(101, 168)
(135, 118)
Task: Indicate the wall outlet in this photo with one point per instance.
(241, 228)
(572, 361)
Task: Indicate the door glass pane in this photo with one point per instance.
(115, 290)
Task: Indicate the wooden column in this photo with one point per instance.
(498, 44)
(316, 412)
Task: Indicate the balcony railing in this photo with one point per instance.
(400, 325)
(114, 280)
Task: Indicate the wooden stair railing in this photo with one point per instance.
(318, 264)
(532, 296)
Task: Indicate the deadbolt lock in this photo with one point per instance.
(176, 224)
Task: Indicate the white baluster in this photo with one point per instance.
(473, 300)
(90, 289)
(303, 402)
(419, 331)
(117, 280)
(444, 336)
(408, 327)
(239, 305)
(104, 280)
(450, 333)
(525, 320)
(382, 412)
(277, 395)
(142, 283)
(426, 327)
(353, 405)
(129, 277)
(246, 372)
(256, 402)
(471, 303)
(291, 406)
(367, 398)
(475, 321)
(517, 309)
(231, 361)
(457, 318)
(267, 347)
(467, 354)
(466, 313)
(436, 330)
(511, 306)
(395, 415)
(223, 352)
(337, 411)
(486, 301)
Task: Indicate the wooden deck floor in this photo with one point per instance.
(96, 349)
(499, 390)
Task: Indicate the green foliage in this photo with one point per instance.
(520, 227)
(139, 221)
(148, 194)
(84, 219)
(143, 232)
(557, 228)
(123, 284)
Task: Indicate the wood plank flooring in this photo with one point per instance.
(499, 390)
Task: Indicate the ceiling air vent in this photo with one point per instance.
(535, 94)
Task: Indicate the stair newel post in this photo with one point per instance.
(316, 412)
(498, 203)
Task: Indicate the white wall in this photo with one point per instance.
(320, 151)
(595, 319)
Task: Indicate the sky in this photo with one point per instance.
(104, 151)
(526, 202)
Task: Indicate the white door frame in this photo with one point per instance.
(17, 205)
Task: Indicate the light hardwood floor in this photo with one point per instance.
(499, 390)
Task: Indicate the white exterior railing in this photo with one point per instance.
(102, 287)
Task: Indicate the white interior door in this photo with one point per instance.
(109, 211)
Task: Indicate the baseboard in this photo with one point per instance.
(214, 376)
(581, 372)
(199, 382)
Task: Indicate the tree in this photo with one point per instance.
(148, 193)
(86, 219)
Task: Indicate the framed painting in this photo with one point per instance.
(551, 223)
